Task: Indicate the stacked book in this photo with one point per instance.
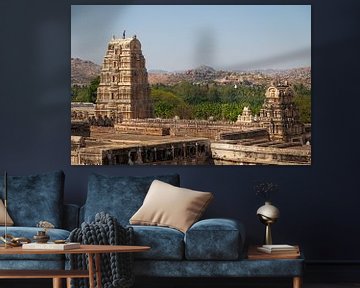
(282, 251)
(278, 249)
(51, 246)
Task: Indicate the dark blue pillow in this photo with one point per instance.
(35, 198)
(120, 196)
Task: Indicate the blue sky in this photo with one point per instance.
(180, 37)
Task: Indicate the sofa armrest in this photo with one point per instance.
(71, 216)
(215, 239)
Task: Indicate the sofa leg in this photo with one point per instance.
(57, 283)
(297, 282)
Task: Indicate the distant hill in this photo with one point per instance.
(157, 71)
(206, 75)
(83, 71)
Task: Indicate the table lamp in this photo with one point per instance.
(268, 214)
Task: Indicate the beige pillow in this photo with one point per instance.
(9, 221)
(170, 206)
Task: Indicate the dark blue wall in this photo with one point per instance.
(318, 204)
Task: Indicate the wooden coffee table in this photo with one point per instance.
(93, 251)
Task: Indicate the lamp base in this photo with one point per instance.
(268, 237)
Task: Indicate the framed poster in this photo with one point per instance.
(191, 85)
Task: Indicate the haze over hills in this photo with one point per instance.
(83, 71)
(206, 74)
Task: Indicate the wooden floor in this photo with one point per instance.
(45, 283)
(338, 285)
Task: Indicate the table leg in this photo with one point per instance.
(57, 283)
(91, 270)
(68, 282)
(297, 282)
(98, 270)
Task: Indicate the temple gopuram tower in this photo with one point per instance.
(280, 115)
(124, 91)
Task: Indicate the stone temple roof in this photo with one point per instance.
(123, 40)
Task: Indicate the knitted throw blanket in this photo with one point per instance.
(116, 268)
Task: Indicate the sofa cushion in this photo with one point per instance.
(165, 243)
(29, 232)
(35, 198)
(119, 196)
(170, 206)
(214, 239)
(9, 221)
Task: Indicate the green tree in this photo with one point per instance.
(213, 94)
(206, 110)
(302, 100)
(228, 94)
(85, 93)
(80, 94)
(204, 101)
(230, 111)
(168, 105)
(92, 91)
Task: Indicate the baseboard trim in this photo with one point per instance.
(332, 271)
(213, 282)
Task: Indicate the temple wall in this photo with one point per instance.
(244, 154)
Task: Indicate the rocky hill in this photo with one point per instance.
(83, 71)
(205, 75)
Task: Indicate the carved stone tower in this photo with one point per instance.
(280, 115)
(124, 91)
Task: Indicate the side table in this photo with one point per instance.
(255, 255)
(93, 251)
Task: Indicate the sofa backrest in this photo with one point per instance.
(120, 196)
(35, 198)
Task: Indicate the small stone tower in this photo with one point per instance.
(280, 114)
(124, 91)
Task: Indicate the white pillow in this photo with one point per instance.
(9, 221)
(170, 206)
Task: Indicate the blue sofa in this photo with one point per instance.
(32, 199)
(209, 248)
